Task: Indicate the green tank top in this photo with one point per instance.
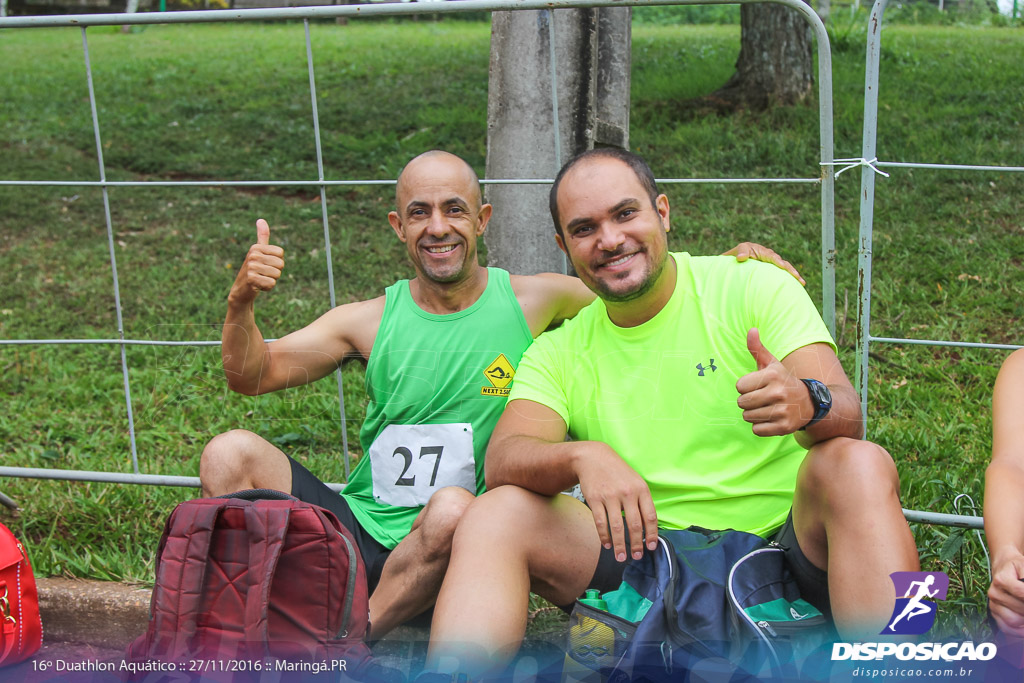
(436, 386)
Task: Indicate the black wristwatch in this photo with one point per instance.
(821, 399)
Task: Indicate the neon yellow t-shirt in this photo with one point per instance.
(663, 394)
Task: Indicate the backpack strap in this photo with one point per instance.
(333, 526)
(193, 524)
(671, 613)
(267, 526)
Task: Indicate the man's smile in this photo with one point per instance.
(618, 261)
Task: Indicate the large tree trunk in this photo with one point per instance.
(775, 65)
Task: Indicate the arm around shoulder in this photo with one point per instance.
(549, 298)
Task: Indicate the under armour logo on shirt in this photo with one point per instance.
(711, 366)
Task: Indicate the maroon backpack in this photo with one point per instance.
(257, 581)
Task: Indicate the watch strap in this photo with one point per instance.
(821, 399)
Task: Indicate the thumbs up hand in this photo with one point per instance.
(262, 232)
(262, 267)
(773, 400)
(762, 356)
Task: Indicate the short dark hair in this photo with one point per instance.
(634, 161)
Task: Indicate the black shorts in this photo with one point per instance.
(306, 487)
(608, 573)
(813, 582)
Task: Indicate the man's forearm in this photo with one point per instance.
(242, 348)
(843, 419)
(1004, 508)
(533, 464)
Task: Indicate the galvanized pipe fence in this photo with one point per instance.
(823, 176)
(870, 168)
(83, 22)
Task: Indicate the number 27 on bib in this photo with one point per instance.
(411, 462)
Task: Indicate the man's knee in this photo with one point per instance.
(229, 450)
(845, 469)
(239, 459)
(517, 517)
(499, 505)
(442, 515)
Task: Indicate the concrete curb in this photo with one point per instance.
(100, 613)
(86, 620)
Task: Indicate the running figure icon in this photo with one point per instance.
(915, 606)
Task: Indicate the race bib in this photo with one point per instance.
(410, 462)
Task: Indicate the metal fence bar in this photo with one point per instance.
(932, 342)
(828, 181)
(865, 338)
(369, 10)
(948, 167)
(110, 477)
(552, 64)
(113, 255)
(867, 203)
(943, 519)
(327, 235)
(327, 183)
(869, 151)
(125, 342)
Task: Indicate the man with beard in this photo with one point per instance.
(678, 412)
(445, 346)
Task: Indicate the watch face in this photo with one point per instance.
(821, 394)
(821, 397)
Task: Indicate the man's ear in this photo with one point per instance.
(484, 217)
(396, 225)
(561, 243)
(661, 204)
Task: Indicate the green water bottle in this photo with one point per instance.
(592, 598)
(591, 643)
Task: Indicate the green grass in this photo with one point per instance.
(232, 102)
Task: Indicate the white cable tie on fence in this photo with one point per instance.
(854, 163)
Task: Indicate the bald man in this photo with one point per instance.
(445, 346)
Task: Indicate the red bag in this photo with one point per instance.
(21, 632)
(256, 581)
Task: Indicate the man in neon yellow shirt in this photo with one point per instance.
(678, 412)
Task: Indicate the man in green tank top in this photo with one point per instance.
(694, 391)
(445, 346)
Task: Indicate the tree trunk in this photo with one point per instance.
(775, 63)
(591, 50)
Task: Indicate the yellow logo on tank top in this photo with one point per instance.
(499, 373)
